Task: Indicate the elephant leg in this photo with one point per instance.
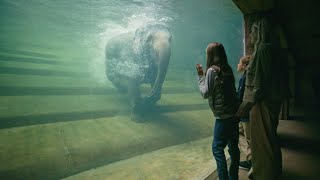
(136, 101)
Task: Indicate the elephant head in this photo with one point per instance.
(153, 46)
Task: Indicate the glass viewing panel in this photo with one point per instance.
(61, 116)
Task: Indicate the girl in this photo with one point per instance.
(218, 86)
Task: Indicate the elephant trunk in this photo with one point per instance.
(162, 62)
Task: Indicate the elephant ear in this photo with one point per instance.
(144, 33)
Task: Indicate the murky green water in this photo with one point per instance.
(60, 115)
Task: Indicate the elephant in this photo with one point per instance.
(140, 57)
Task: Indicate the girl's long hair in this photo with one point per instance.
(265, 28)
(217, 57)
(267, 51)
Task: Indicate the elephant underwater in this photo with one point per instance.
(137, 58)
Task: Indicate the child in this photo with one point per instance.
(244, 125)
(217, 85)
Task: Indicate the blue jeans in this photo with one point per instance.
(226, 132)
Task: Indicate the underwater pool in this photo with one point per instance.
(60, 115)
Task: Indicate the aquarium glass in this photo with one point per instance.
(62, 117)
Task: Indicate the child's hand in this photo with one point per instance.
(199, 69)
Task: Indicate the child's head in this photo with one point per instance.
(244, 61)
(216, 55)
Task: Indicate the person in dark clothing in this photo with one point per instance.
(265, 89)
(217, 85)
